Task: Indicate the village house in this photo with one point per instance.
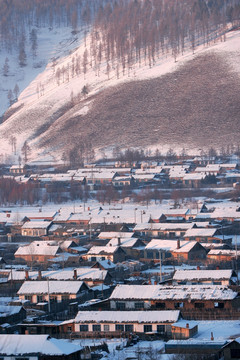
(35, 228)
(55, 291)
(194, 301)
(133, 247)
(38, 251)
(37, 347)
(193, 180)
(90, 276)
(175, 249)
(162, 230)
(207, 235)
(123, 323)
(222, 255)
(184, 330)
(214, 277)
(113, 253)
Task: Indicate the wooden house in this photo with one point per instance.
(194, 301)
(38, 251)
(113, 253)
(214, 277)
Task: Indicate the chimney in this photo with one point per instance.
(212, 338)
(75, 274)
(119, 241)
(39, 275)
(187, 325)
(26, 275)
(178, 243)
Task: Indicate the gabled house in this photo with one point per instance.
(37, 347)
(57, 291)
(133, 247)
(39, 251)
(113, 253)
(124, 323)
(206, 235)
(179, 250)
(213, 277)
(162, 230)
(194, 301)
(35, 228)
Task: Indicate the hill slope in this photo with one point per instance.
(194, 103)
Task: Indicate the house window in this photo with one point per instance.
(28, 297)
(139, 305)
(20, 358)
(199, 305)
(96, 327)
(106, 327)
(218, 305)
(121, 305)
(129, 328)
(93, 258)
(53, 298)
(147, 328)
(160, 305)
(69, 329)
(83, 328)
(103, 258)
(119, 327)
(40, 298)
(149, 254)
(217, 283)
(178, 305)
(161, 329)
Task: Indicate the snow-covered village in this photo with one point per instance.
(119, 179)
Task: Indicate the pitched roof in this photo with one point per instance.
(127, 316)
(202, 274)
(34, 344)
(178, 292)
(53, 287)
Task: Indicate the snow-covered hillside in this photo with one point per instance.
(59, 90)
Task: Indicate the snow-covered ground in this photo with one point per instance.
(44, 95)
(221, 330)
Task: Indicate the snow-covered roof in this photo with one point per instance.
(168, 245)
(106, 264)
(125, 242)
(36, 224)
(202, 275)
(163, 226)
(102, 250)
(178, 292)
(200, 232)
(53, 287)
(7, 310)
(38, 248)
(114, 234)
(127, 316)
(66, 274)
(35, 344)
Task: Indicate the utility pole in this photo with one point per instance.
(49, 305)
(160, 258)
